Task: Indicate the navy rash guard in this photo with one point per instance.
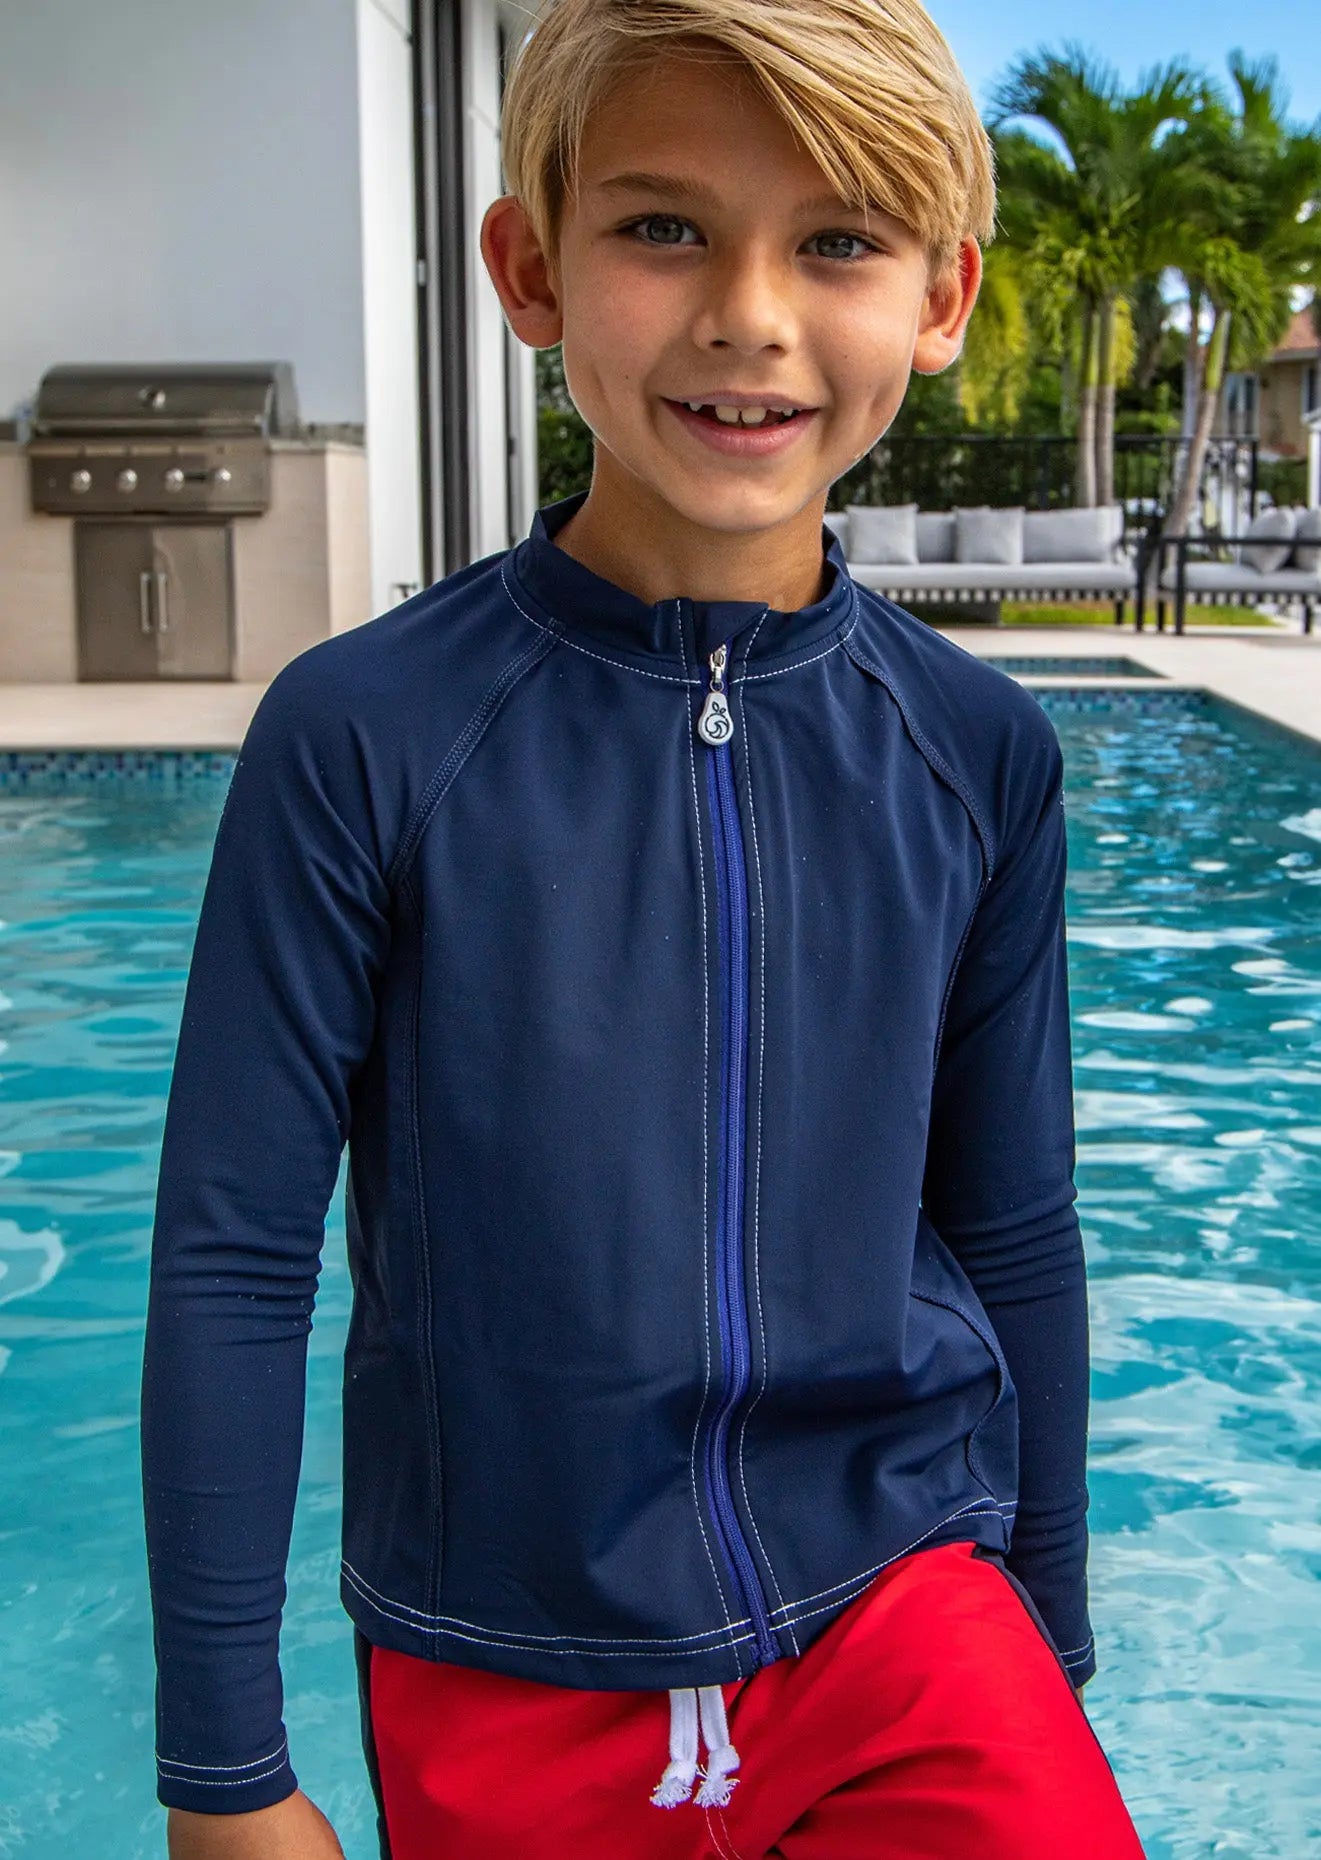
(711, 1209)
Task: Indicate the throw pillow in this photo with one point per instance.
(1307, 542)
(1278, 525)
(991, 536)
(935, 535)
(883, 533)
(1074, 535)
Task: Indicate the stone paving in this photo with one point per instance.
(1274, 673)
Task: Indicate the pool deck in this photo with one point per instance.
(1275, 674)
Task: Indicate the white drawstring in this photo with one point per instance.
(675, 1786)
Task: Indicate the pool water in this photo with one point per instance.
(1194, 907)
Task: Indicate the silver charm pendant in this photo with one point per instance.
(715, 725)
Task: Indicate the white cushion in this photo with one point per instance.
(882, 532)
(1075, 535)
(994, 537)
(1238, 578)
(1041, 579)
(838, 522)
(1307, 542)
(935, 535)
(1277, 524)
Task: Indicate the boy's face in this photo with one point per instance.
(741, 291)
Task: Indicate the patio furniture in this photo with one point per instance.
(977, 558)
(1278, 557)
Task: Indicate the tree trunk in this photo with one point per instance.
(1192, 362)
(1185, 497)
(1181, 505)
(1105, 404)
(1084, 491)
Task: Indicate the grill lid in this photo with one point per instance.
(135, 400)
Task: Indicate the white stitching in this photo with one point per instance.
(726, 1853)
(1074, 1652)
(980, 1504)
(176, 1763)
(664, 678)
(488, 1637)
(372, 1594)
(526, 1642)
(224, 1782)
(761, 1081)
(824, 653)
(706, 1050)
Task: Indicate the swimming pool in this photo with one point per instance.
(1195, 902)
(1071, 666)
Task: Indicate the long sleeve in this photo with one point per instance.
(999, 1188)
(279, 1011)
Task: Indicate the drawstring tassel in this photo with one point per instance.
(721, 1756)
(676, 1785)
(718, 1784)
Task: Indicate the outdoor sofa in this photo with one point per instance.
(1277, 558)
(980, 557)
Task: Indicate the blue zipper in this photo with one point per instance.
(731, 1292)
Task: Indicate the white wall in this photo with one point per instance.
(389, 249)
(179, 182)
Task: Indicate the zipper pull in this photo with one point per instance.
(716, 725)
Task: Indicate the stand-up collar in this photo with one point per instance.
(576, 599)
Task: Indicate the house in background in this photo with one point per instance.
(1275, 401)
(1291, 387)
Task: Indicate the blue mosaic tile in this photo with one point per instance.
(81, 767)
(1067, 699)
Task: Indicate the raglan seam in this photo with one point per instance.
(459, 751)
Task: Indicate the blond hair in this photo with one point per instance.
(869, 87)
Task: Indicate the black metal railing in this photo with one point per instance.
(940, 471)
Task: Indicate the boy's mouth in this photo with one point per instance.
(739, 439)
(754, 418)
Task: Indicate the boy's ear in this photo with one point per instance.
(520, 274)
(949, 301)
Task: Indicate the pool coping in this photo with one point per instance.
(1269, 674)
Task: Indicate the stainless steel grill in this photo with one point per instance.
(167, 440)
(154, 463)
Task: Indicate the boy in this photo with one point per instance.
(674, 930)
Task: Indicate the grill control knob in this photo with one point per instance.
(127, 480)
(174, 479)
(222, 475)
(81, 481)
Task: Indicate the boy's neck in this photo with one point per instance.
(784, 568)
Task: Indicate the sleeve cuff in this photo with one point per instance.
(226, 1789)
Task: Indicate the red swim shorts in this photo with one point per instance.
(933, 1720)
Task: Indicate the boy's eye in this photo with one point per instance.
(671, 219)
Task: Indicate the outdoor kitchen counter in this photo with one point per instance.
(301, 570)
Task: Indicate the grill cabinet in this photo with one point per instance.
(155, 463)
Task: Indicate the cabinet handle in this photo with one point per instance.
(162, 600)
(144, 600)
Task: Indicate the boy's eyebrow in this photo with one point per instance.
(635, 181)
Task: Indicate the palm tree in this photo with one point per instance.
(1097, 206)
(1253, 237)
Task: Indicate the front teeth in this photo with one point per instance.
(736, 416)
